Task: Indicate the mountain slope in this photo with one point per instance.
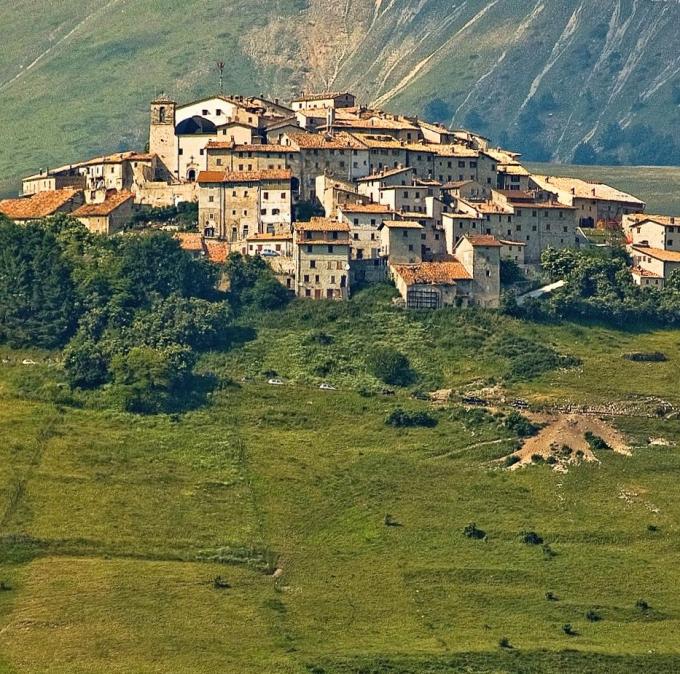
(545, 76)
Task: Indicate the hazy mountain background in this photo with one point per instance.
(595, 81)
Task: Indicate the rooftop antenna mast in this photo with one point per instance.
(220, 67)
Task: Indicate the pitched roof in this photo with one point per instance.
(214, 251)
(269, 236)
(433, 273)
(483, 240)
(661, 220)
(264, 147)
(322, 225)
(639, 271)
(454, 151)
(583, 189)
(402, 224)
(322, 96)
(507, 242)
(364, 208)
(40, 205)
(190, 241)
(106, 207)
(385, 173)
(320, 141)
(244, 176)
(659, 253)
(376, 122)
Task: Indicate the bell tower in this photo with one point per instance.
(162, 139)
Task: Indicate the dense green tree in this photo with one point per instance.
(37, 294)
(390, 366)
(85, 364)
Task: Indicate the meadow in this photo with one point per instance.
(289, 530)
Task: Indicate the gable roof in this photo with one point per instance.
(322, 225)
(243, 176)
(433, 273)
(322, 96)
(402, 224)
(40, 205)
(364, 208)
(659, 253)
(106, 207)
(483, 240)
(582, 189)
(385, 173)
(320, 141)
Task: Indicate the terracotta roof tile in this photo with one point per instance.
(244, 176)
(216, 251)
(190, 241)
(319, 141)
(322, 225)
(322, 96)
(40, 205)
(402, 224)
(106, 207)
(659, 253)
(364, 208)
(485, 240)
(433, 273)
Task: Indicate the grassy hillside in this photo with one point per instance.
(76, 75)
(658, 186)
(114, 527)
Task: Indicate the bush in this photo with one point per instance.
(399, 418)
(390, 366)
(511, 460)
(85, 364)
(642, 605)
(504, 642)
(569, 630)
(220, 584)
(551, 596)
(653, 357)
(471, 531)
(520, 425)
(595, 441)
(530, 538)
(537, 459)
(593, 616)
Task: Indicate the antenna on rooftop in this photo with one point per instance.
(220, 67)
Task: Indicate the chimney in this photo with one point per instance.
(593, 191)
(573, 190)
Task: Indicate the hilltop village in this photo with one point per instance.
(333, 194)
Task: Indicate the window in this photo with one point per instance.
(410, 247)
(180, 151)
(218, 161)
(276, 211)
(355, 236)
(211, 198)
(356, 221)
(265, 195)
(218, 112)
(205, 112)
(534, 214)
(310, 249)
(316, 278)
(330, 249)
(263, 211)
(461, 164)
(404, 233)
(488, 273)
(312, 264)
(201, 151)
(308, 292)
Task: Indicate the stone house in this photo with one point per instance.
(322, 259)
(41, 205)
(235, 204)
(481, 257)
(372, 185)
(334, 192)
(655, 249)
(400, 241)
(596, 204)
(108, 216)
(333, 100)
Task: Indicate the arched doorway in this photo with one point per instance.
(191, 175)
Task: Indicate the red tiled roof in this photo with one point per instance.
(269, 236)
(228, 145)
(244, 176)
(364, 208)
(319, 141)
(40, 205)
(485, 240)
(324, 95)
(190, 241)
(106, 207)
(402, 224)
(433, 273)
(322, 225)
(639, 271)
(659, 253)
(216, 251)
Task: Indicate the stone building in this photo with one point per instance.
(322, 259)
(235, 204)
(324, 100)
(481, 257)
(596, 204)
(400, 241)
(108, 216)
(41, 205)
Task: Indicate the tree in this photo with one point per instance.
(37, 294)
(390, 366)
(268, 293)
(511, 273)
(149, 380)
(438, 110)
(85, 364)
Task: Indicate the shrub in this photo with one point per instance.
(551, 460)
(390, 366)
(520, 425)
(595, 441)
(548, 552)
(504, 642)
(569, 630)
(551, 596)
(652, 528)
(530, 538)
(390, 521)
(471, 531)
(511, 460)
(593, 616)
(399, 418)
(5, 586)
(654, 357)
(537, 459)
(220, 584)
(642, 605)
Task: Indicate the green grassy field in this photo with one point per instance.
(657, 186)
(113, 527)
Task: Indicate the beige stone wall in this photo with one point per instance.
(321, 269)
(386, 158)
(160, 194)
(401, 245)
(483, 263)
(455, 227)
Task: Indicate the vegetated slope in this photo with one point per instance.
(114, 527)
(545, 76)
